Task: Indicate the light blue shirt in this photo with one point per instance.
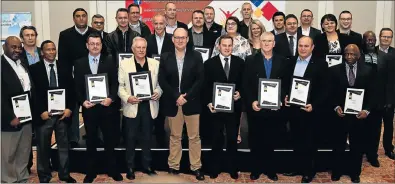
(94, 65)
(33, 59)
(301, 66)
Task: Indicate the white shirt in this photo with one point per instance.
(78, 30)
(20, 72)
(170, 29)
(305, 32)
(222, 58)
(159, 42)
(384, 50)
(48, 68)
(295, 41)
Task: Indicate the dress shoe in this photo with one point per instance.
(374, 162)
(199, 175)
(89, 178)
(390, 155)
(130, 174)
(306, 179)
(234, 175)
(272, 177)
(213, 175)
(254, 176)
(116, 177)
(69, 180)
(173, 171)
(290, 173)
(355, 179)
(335, 177)
(149, 171)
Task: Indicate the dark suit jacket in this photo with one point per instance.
(282, 45)
(24, 56)
(339, 84)
(40, 79)
(214, 72)
(391, 50)
(390, 89)
(356, 38)
(215, 30)
(106, 65)
(10, 87)
(191, 82)
(317, 73)
(152, 47)
(272, 31)
(104, 48)
(145, 31)
(321, 47)
(255, 69)
(243, 29)
(208, 41)
(181, 24)
(313, 32)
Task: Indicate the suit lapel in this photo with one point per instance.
(344, 74)
(45, 74)
(358, 74)
(275, 67)
(233, 68)
(261, 64)
(155, 45)
(88, 68)
(187, 64)
(309, 69)
(220, 68)
(165, 40)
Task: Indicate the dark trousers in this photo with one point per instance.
(262, 133)
(373, 133)
(302, 127)
(101, 117)
(139, 127)
(74, 127)
(354, 128)
(159, 130)
(388, 118)
(230, 122)
(44, 134)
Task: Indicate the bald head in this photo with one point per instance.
(305, 47)
(307, 39)
(12, 48)
(352, 53)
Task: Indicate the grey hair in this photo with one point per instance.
(135, 39)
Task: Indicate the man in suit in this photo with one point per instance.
(181, 78)
(16, 137)
(209, 24)
(287, 42)
(350, 74)
(305, 28)
(121, 39)
(71, 46)
(31, 53)
(98, 24)
(50, 74)
(139, 114)
(345, 24)
(386, 35)
(246, 12)
(171, 18)
(303, 119)
(159, 42)
(224, 68)
(98, 115)
(263, 124)
(278, 20)
(199, 37)
(135, 23)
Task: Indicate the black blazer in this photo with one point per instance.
(313, 32)
(255, 69)
(321, 47)
(339, 84)
(317, 73)
(11, 86)
(152, 47)
(82, 68)
(24, 56)
(215, 30)
(391, 50)
(274, 33)
(40, 79)
(356, 38)
(145, 31)
(208, 41)
(214, 72)
(191, 82)
(390, 89)
(282, 45)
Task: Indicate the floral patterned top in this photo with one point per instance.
(334, 47)
(241, 47)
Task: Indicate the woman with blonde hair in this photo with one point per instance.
(255, 30)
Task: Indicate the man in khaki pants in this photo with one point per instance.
(180, 77)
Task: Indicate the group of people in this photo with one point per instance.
(242, 52)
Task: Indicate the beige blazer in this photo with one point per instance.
(127, 66)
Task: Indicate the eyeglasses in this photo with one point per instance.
(179, 38)
(231, 24)
(98, 23)
(94, 44)
(307, 16)
(386, 37)
(291, 23)
(345, 19)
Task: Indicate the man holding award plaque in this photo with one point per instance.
(139, 92)
(265, 77)
(96, 87)
(227, 69)
(306, 97)
(351, 97)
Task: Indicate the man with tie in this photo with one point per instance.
(287, 42)
(350, 74)
(51, 74)
(139, 115)
(98, 115)
(181, 78)
(305, 28)
(303, 119)
(264, 124)
(16, 137)
(224, 68)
